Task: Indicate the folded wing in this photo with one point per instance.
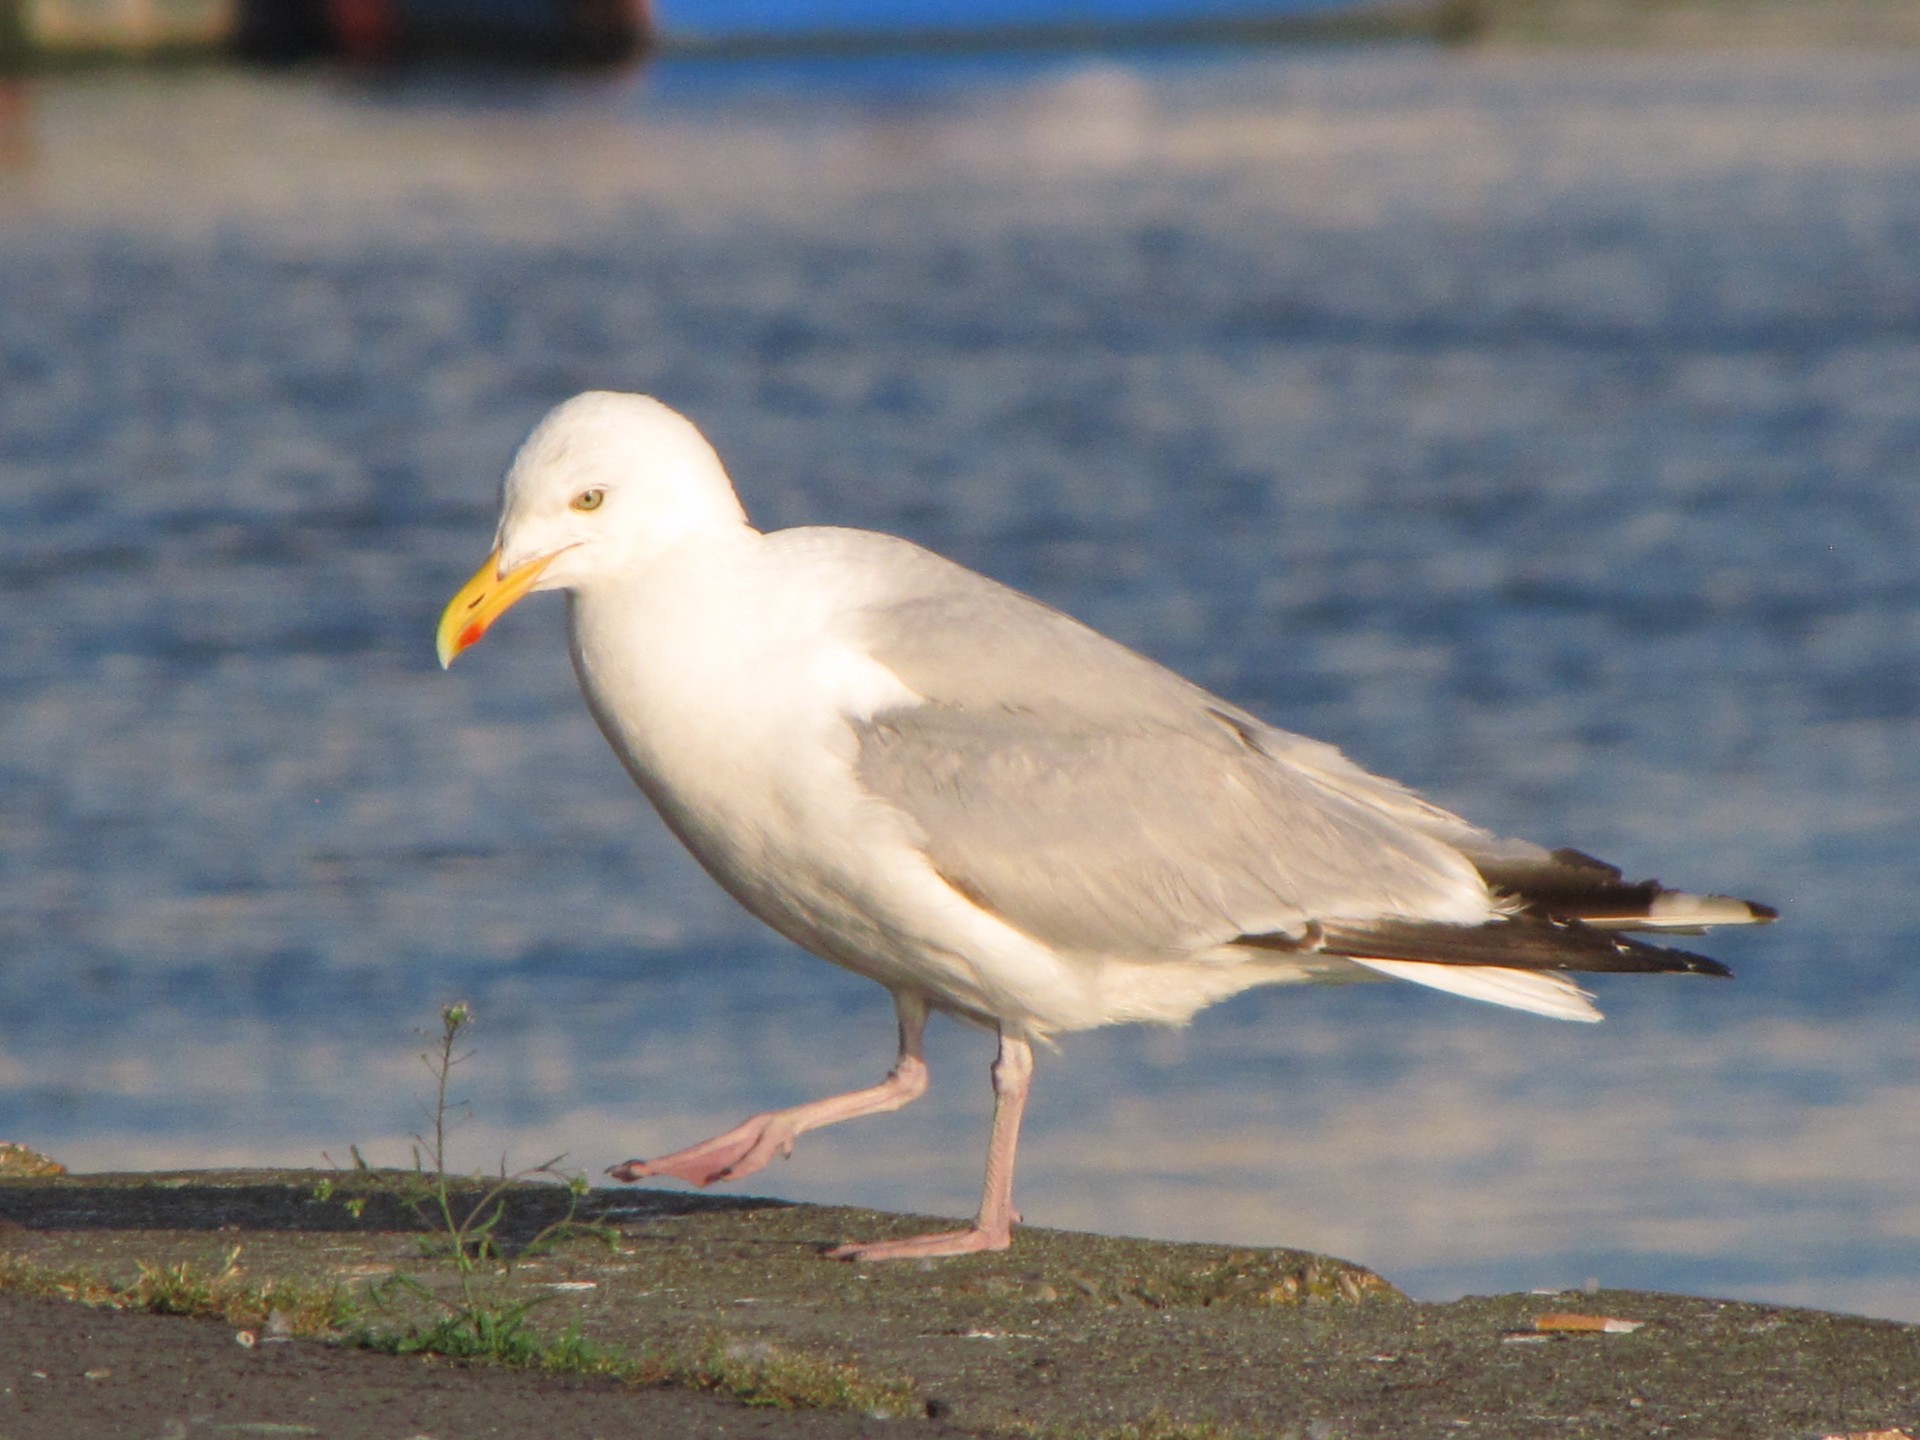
(1105, 806)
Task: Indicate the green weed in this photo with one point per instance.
(224, 1293)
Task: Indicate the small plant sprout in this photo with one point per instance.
(466, 1223)
(453, 1019)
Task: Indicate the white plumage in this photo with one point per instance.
(944, 785)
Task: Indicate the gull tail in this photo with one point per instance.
(1560, 911)
(1518, 961)
(1554, 996)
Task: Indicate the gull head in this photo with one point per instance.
(604, 482)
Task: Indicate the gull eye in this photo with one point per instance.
(589, 499)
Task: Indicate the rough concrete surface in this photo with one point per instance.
(1064, 1335)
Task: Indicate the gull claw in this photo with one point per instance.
(740, 1152)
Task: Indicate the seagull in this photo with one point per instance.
(997, 813)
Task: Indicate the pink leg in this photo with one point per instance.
(750, 1145)
(992, 1229)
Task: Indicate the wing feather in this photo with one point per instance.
(1101, 803)
(1104, 805)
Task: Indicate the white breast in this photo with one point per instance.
(727, 684)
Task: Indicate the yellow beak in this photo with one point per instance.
(481, 601)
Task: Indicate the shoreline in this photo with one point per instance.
(1463, 24)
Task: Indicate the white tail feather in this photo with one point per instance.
(1538, 992)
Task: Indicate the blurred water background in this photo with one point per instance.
(1541, 428)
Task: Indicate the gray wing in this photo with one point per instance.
(1102, 804)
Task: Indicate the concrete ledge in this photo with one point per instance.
(1064, 1335)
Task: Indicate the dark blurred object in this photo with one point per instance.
(529, 32)
(14, 48)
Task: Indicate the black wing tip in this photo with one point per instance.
(1515, 942)
(1665, 959)
(1574, 859)
(1701, 965)
(1660, 959)
(1573, 885)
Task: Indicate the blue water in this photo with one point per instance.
(762, 17)
(1541, 429)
